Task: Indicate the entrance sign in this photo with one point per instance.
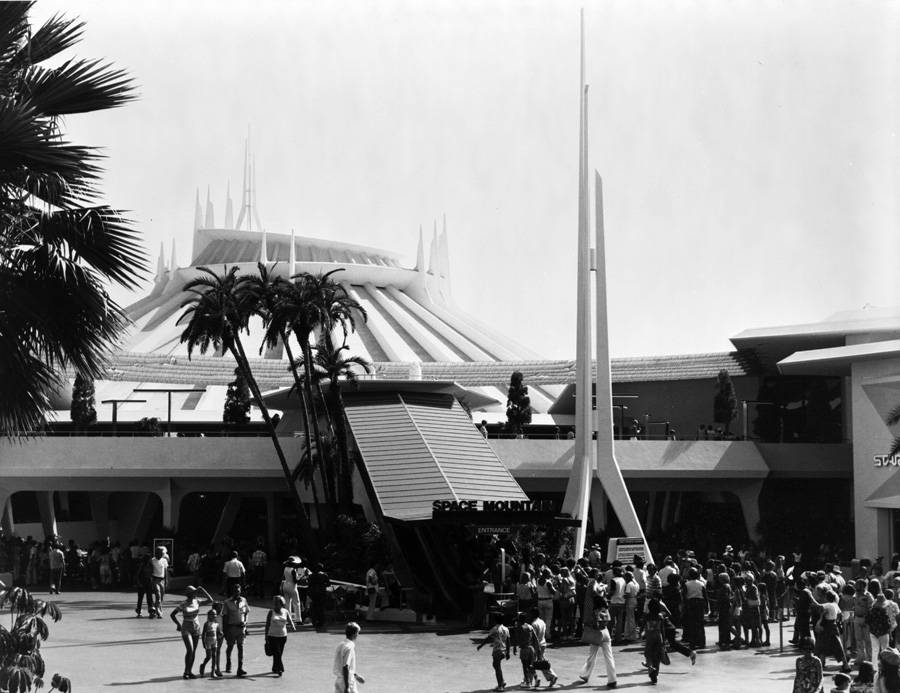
(626, 548)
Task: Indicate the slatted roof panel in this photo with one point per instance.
(418, 448)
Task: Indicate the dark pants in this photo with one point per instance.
(55, 579)
(498, 669)
(144, 590)
(694, 631)
(277, 645)
(317, 612)
(724, 626)
(258, 580)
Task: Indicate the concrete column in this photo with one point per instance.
(748, 495)
(227, 518)
(7, 522)
(667, 504)
(144, 517)
(272, 524)
(651, 512)
(598, 506)
(47, 511)
(100, 512)
(678, 504)
(171, 497)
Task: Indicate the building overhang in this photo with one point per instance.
(837, 360)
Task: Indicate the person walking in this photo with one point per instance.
(319, 582)
(258, 560)
(289, 588)
(190, 625)
(596, 634)
(234, 616)
(233, 572)
(344, 667)
(278, 620)
(498, 637)
(808, 676)
(540, 661)
(57, 567)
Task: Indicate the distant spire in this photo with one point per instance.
(229, 212)
(420, 253)
(161, 263)
(174, 265)
(292, 257)
(210, 218)
(445, 254)
(253, 193)
(263, 249)
(432, 254)
(244, 188)
(198, 219)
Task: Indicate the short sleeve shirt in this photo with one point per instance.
(235, 613)
(345, 656)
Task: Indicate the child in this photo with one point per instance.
(841, 683)
(219, 607)
(211, 630)
(498, 636)
(524, 638)
(808, 678)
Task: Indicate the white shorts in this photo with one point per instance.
(339, 684)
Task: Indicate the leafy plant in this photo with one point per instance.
(725, 403)
(21, 664)
(237, 400)
(518, 404)
(83, 411)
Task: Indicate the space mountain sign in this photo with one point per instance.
(498, 512)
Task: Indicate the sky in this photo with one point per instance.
(748, 149)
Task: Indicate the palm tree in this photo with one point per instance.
(59, 248)
(333, 364)
(312, 303)
(217, 313)
(892, 419)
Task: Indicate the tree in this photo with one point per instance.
(333, 365)
(893, 418)
(237, 400)
(218, 310)
(21, 664)
(725, 403)
(518, 404)
(312, 303)
(83, 411)
(59, 247)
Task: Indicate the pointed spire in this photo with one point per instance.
(292, 257)
(210, 217)
(244, 196)
(432, 253)
(161, 263)
(198, 219)
(445, 254)
(174, 265)
(420, 253)
(263, 249)
(229, 210)
(253, 194)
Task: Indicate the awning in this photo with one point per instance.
(887, 495)
(420, 447)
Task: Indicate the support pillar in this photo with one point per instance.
(227, 518)
(678, 505)
(271, 524)
(48, 512)
(7, 522)
(651, 512)
(667, 505)
(748, 495)
(171, 497)
(598, 506)
(139, 525)
(100, 512)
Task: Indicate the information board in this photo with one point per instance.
(626, 548)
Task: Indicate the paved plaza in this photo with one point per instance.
(102, 646)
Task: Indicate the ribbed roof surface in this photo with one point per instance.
(212, 370)
(419, 448)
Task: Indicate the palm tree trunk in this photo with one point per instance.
(345, 477)
(328, 479)
(305, 527)
(304, 410)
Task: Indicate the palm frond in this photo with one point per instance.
(56, 35)
(893, 416)
(78, 86)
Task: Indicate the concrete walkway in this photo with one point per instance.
(101, 645)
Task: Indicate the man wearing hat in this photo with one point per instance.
(290, 580)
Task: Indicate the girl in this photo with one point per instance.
(277, 622)
(808, 677)
(190, 625)
(211, 630)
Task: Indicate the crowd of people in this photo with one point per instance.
(848, 619)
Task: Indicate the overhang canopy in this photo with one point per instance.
(837, 360)
(419, 447)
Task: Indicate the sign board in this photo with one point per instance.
(493, 530)
(169, 544)
(625, 549)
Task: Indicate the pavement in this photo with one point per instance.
(100, 645)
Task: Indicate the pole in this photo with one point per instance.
(744, 418)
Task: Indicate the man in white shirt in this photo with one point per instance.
(540, 630)
(159, 566)
(344, 667)
(234, 573)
